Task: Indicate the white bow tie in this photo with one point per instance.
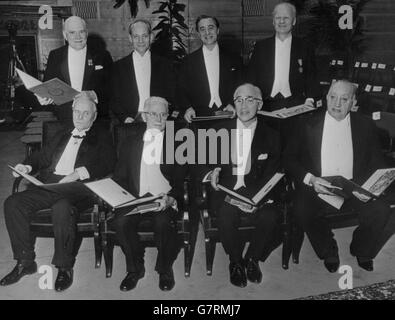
(150, 134)
(78, 134)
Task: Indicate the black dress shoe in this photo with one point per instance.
(166, 281)
(366, 264)
(254, 273)
(18, 272)
(131, 279)
(64, 279)
(332, 264)
(237, 275)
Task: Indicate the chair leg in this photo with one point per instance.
(287, 244)
(108, 248)
(297, 242)
(187, 259)
(98, 249)
(210, 252)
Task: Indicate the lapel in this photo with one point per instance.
(61, 146)
(201, 72)
(130, 76)
(259, 137)
(356, 132)
(86, 144)
(314, 135)
(64, 67)
(155, 71)
(223, 67)
(88, 70)
(271, 57)
(135, 158)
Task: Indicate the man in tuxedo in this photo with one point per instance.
(283, 66)
(332, 143)
(80, 153)
(79, 67)
(139, 75)
(254, 151)
(208, 76)
(141, 171)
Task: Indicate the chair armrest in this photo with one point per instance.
(15, 185)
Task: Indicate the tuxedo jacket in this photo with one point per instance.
(96, 72)
(124, 97)
(193, 88)
(96, 154)
(303, 152)
(264, 158)
(302, 70)
(127, 169)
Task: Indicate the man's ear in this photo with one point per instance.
(130, 39)
(64, 35)
(260, 105)
(94, 119)
(144, 116)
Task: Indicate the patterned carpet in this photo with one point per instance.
(377, 291)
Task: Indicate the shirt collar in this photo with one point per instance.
(286, 40)
(149, 134)
(77, 52)
(240, 125)
(81, 133)
(147, 55)
(345, 121)
(215, 50)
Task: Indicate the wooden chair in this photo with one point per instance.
(211, 233)
(145, 232)
(88, 221)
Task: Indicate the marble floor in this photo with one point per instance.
(307, 278)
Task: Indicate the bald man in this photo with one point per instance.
(80, 152)
(283, 66)
(336, 142)
(80, 67)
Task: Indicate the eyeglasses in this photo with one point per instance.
(161, 115)
(249, 101)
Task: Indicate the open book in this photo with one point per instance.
(55, 89)
(117, 197)
(242, 200)
(343, 188)
(219, 115)
(287, 112)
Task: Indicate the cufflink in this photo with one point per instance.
(262, 156)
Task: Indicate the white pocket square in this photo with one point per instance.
(98, 67)
(262, 156)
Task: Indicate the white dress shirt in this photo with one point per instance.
(337, 150)
(142, 71)
(282, 60)
(151, 178)
(211, 62)
(66, 163)
(76, 63)
(244, 136)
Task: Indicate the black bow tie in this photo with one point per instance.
(78, 137)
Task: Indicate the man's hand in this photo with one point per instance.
(189, 114)
(90, 94)
(215, 178)
(232, 109)
(319, 185)
(44, 101)
(22, 168)
(309, 102)
(164, 202)
(70, 178)
(129, 120)
(360, 196)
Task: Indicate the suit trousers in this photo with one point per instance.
(19, 209)
(265, 221)
(165, 237)
(372, 216)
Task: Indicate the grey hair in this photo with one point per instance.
(67, 21)
(347, 82)
(84, 99)
(257, 91)
(145, 21)
(287, 4)
(155, 100)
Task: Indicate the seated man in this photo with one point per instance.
(140, 174)
(260, 159)
(336, 142)
(80, 153)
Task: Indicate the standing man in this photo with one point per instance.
(208, 76)
(82, 152)
(139, 75)
(283, 66)
(331, 143)
(79, 67)
(255, 153)
(140, 170)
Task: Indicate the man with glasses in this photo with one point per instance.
(142, 170)
(283, 66)
(208, 76)
(82, 152)
(139, 75)
(82, 67)
(254, 150)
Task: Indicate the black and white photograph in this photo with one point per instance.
(192, 156)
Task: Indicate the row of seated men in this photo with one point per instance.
(282, 66)
(329, 141)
